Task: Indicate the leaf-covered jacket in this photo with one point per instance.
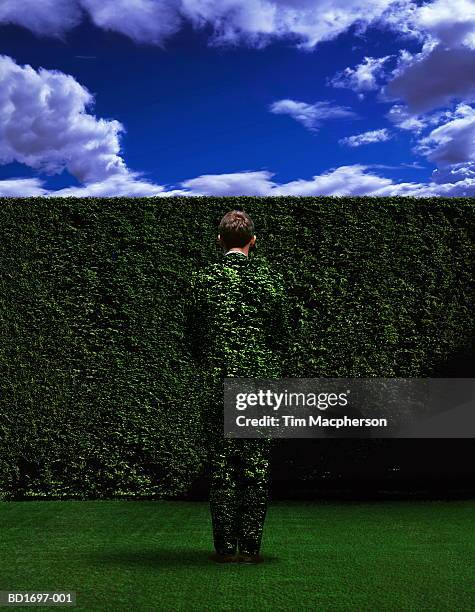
(238, 318)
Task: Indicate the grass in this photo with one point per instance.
(153, 555)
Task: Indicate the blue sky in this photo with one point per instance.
(261, 97)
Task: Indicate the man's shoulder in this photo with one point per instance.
(209, 270)
(208, 276)
(255, 267)
(267, 270)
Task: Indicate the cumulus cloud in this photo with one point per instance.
(311, 115)
(45, 125)
(144, 21)
(403, 119)
(244, 183)
(119, 185)
(364, 77)
(450, 146)
(42, 17)
(452, 143)
(259, 21)
(366, 138)
(349, 180)
(451, 22)
(46, 121)
(400, 116)
(352, 180)
(22, 188)
(444, 71)
(459, 189)
(115, 186)
(434, 78)
(345, 180)
(254, 22)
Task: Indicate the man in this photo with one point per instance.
(239, 328)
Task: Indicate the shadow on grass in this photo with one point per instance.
(162, 557)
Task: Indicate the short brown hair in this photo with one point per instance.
(236, 229)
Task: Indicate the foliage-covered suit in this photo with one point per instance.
(238, 325)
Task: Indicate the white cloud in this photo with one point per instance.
(366, 138)
(144, 21)
(46, 121)
(45, 125)
(450, 146)
(311, 115)
(119, 185)
(21, 188)
(452, 22)
(343, 181)
(400, 116)
(455, 173)
(434, 78)
(252, 22)
(403, 119)
(257, 22)
(364, 77)
(452, 143)
(444, 70)
(244, 183)
(400, 19)
(351, 180)
(114, 186)
(42, 17)
(459, 189)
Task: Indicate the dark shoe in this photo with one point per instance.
(219, 558)
(249, 559)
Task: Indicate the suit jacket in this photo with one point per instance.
(237, 318)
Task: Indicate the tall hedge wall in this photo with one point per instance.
(99, 394)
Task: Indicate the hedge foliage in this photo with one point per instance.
(100, 395)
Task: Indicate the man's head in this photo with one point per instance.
(236, 231)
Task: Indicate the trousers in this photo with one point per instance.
(239, 487)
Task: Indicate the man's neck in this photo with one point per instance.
(242, 251)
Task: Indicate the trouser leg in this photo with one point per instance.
(223, 497)
(253, 488)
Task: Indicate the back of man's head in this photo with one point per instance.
(236, 229)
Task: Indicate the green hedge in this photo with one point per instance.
(99, 394)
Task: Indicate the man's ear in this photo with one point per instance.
(253, 241)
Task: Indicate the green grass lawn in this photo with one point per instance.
(153, 555)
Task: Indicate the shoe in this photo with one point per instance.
(249, 559)
(219, 558)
